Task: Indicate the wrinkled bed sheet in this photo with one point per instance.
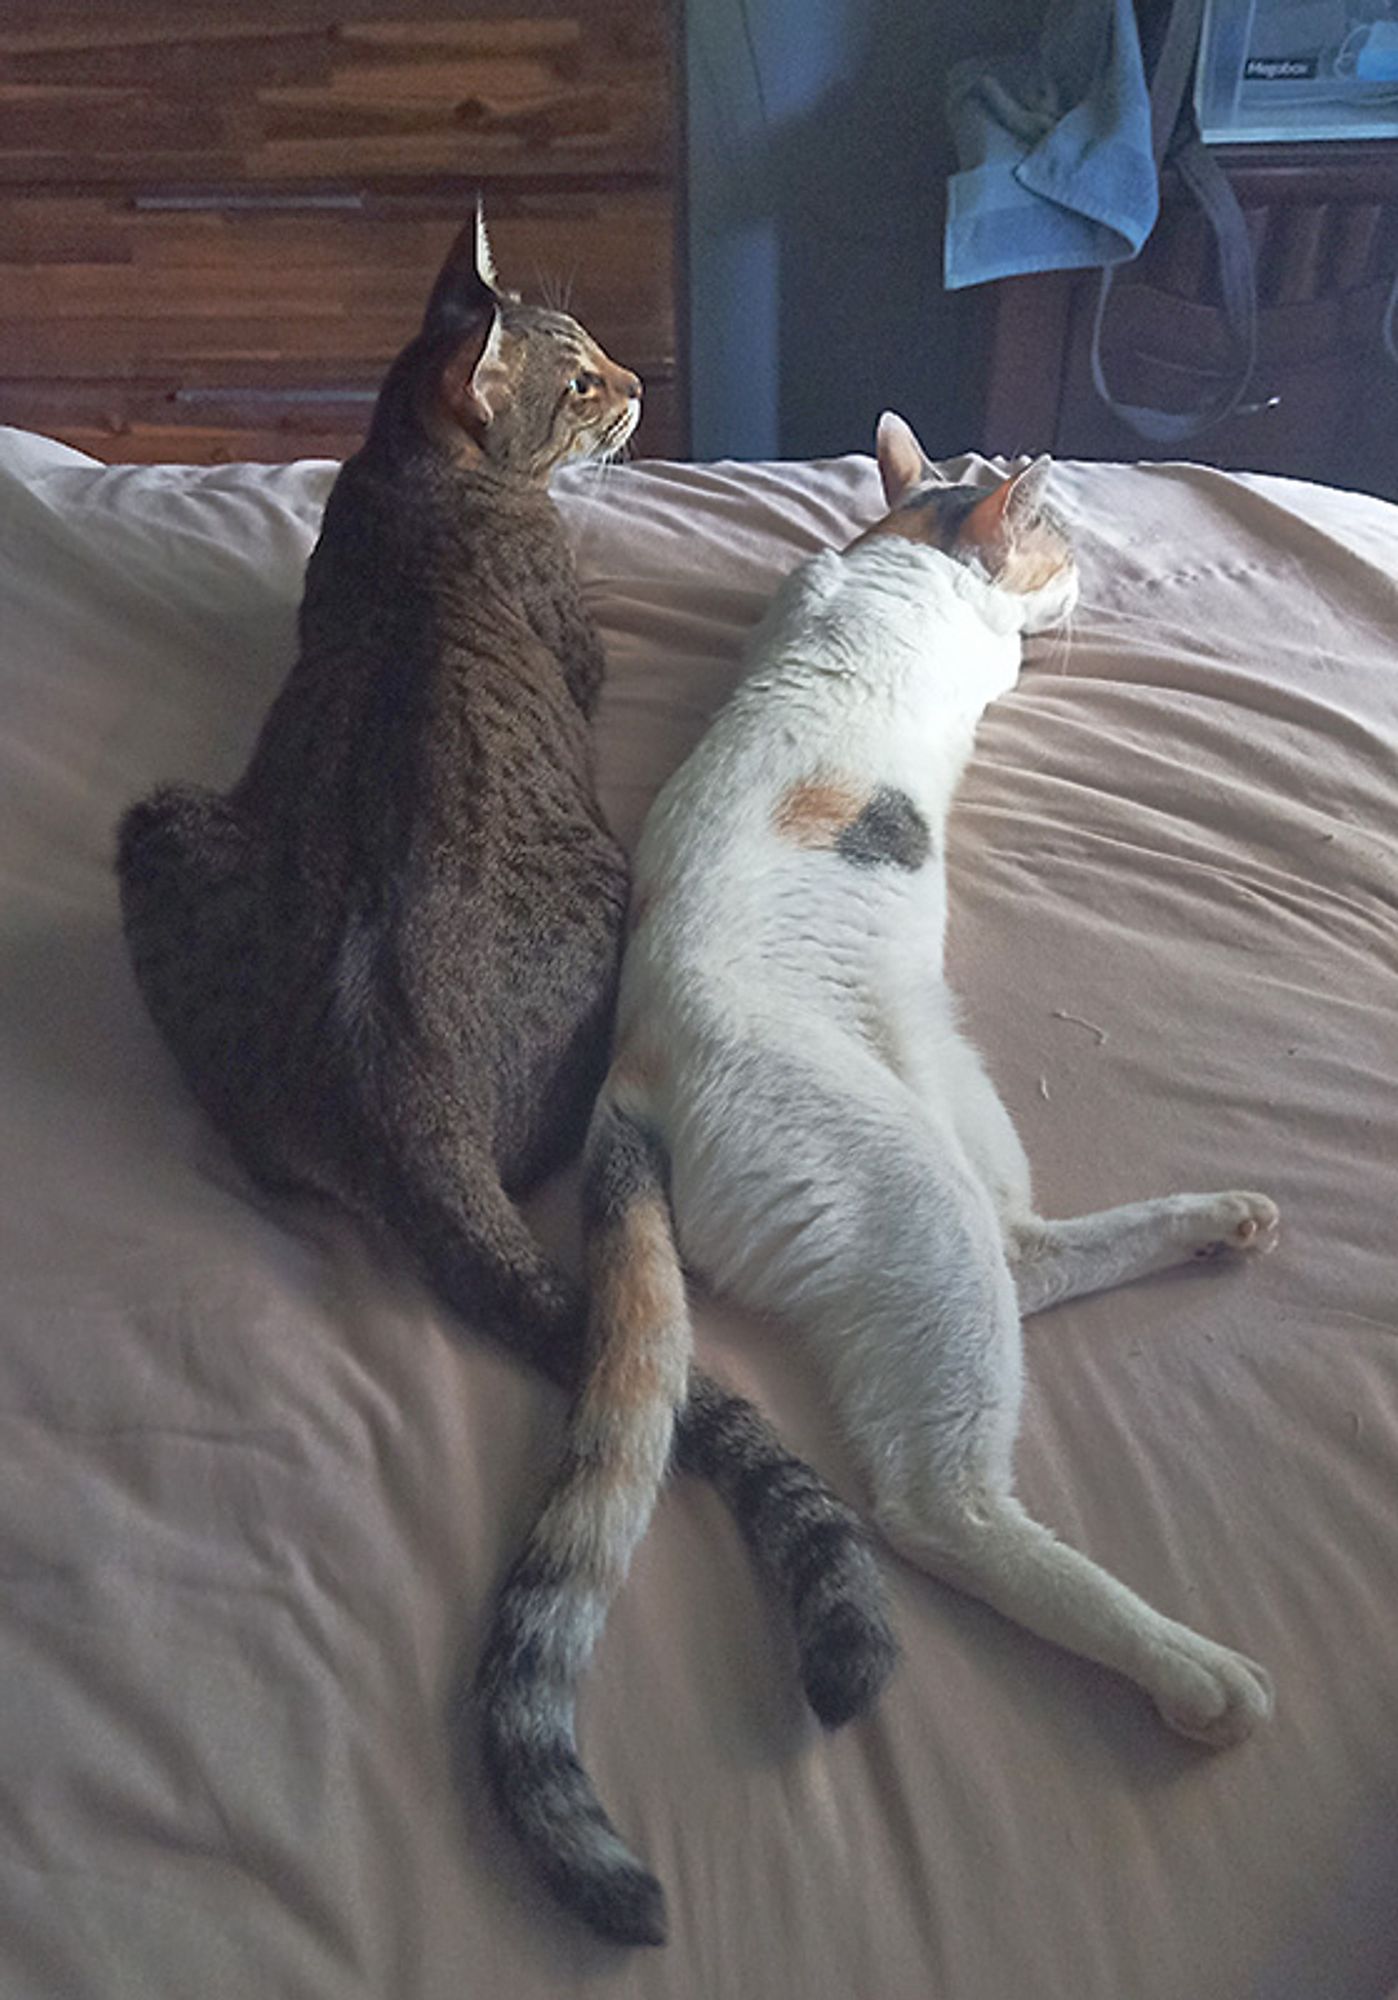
(256, 1488)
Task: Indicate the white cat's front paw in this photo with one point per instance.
(1210, 1694)
(1227, 1225)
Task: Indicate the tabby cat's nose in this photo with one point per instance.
(631, 384)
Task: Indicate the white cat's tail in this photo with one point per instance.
(555, 1600)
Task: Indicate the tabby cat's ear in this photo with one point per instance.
(903, 464)
(465, 291)
(471, 368)
(462, 322)
(485, 260)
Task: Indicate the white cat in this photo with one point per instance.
(794, 1104)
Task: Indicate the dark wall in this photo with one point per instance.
(817, 154)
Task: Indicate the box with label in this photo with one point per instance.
(1298, 69)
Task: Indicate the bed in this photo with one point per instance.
(256, 1487)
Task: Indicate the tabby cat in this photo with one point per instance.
(794, 1109)
(386, 960)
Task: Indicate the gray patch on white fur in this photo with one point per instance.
(890, 831)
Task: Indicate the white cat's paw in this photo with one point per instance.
(1234, 1225)
(1211, 1694)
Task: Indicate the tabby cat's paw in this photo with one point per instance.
(1210, 1694)
(1235, 1225)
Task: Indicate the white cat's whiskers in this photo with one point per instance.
(1058, 646)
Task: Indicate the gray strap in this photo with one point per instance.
(1174, 67)
(1175, 138)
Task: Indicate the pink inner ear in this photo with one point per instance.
(1025, 488)
(986, 520)
(458, 378)
(1019, 494)
(902, 464)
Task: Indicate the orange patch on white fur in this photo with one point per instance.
(637, 1298)
(1028, 568)
(815, 812)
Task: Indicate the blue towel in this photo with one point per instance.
(1054, 145)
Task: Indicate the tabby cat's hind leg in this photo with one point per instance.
(481, 1255)
(1053, 1261)
(188, 884)
(181, 862)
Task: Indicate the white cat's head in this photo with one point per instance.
(1004, 532)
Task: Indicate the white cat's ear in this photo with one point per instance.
(1016, 540)
(903, 464)
(1025, 489)
(1014, 501)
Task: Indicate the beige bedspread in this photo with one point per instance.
(255, 1489)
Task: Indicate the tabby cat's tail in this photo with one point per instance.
(555, 1601)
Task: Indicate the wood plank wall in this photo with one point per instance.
(218, 224)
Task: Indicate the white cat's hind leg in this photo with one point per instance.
(841, 1208)
(929, 1388)
(947, 1077)
(923, 1356)
(987, 1545)
(1053, 1261)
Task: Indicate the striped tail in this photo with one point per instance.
(813, 1547)
(555, 1600)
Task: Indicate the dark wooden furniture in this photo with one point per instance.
(1324, 403)
(218, 222)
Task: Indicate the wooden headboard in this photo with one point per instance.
(218, 222)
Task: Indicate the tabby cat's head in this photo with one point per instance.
(490, 380)
(1006, 532)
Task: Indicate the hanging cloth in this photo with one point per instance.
(1063, 149)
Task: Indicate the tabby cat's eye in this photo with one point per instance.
(584, 384)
